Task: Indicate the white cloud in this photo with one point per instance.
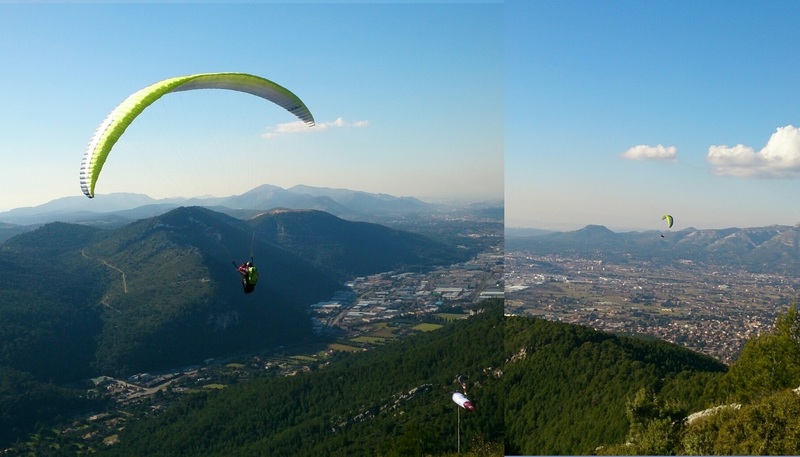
(645, 152)
(780, 158)
(340, 122)
(300, 127)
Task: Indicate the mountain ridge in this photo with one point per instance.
(774, 248)
(340, 202)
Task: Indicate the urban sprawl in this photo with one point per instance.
(713, 310)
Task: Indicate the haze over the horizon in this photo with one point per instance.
(401, 107)
(620, 112)
(127, 200)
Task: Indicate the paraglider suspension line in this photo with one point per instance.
(252, 243)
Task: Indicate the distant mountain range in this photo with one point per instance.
(119, 208)
(772, 249)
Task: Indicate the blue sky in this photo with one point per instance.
(620, 111)
(408, 98)
(578, 112)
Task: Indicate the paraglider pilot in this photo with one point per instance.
(249, 276)
(463, 384)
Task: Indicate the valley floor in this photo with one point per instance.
(713, 311)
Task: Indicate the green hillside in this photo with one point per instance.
(567, 386)
(351, 249)
(573, 390)
(180, 300)
(77, 301)
(49, 315)
(755, 405)
(392, 400)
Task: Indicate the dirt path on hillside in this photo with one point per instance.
(106, 263)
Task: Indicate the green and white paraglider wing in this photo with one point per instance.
(669, 220)
(124, 114)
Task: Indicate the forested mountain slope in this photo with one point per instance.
(755, 405)
(574, 390)
(567, 386)
(393, 400)
(348, 248)
(78, 301)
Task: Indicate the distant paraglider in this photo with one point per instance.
(126, 112)
(669, 220)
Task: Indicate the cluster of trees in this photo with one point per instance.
(27, 403)
(390, 401)
(567, 385)
(757, 412)
(573, 390)
(48, 316)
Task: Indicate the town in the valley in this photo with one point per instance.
(712, 310)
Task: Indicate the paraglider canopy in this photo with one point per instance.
(669, 220)
(124, 114)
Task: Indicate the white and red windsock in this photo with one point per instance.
(462, 401)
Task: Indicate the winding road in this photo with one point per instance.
(105, 262)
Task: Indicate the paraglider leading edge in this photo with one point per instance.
(114, 125)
